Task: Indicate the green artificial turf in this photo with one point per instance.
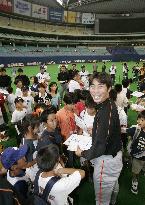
(85, 193)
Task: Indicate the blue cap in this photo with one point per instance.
(12, 154)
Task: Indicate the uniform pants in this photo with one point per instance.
(63, 88)
(106, 173)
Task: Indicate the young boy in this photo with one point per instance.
(28, 100)
(17, 116)
(47, 160)
(13, 159)
(137, 150)
(10, 100)
(19, 85)
(88, 114)
(65, 116)
(51, 134)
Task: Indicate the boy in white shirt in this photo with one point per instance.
(17, 116)
(19, 85)
(10, 100)
(47, 159)
(88, 115)
(28, 99)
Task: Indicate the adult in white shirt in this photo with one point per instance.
(74, 82)
(43, 76)
(125, 70)
(10, 100)
(112, 71)
(65, 185)
(121, 100)
(84, 76)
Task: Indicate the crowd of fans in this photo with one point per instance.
(40, 170)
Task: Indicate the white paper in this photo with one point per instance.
(137, 107)
(80, 123)
(137, 94)
(84, 142)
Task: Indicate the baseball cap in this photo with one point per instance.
(12, 154)
(18, 99)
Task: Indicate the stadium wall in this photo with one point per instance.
(5, 60)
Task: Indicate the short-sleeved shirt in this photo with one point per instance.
(28, 102)
(61, 189)
(43, 99)
(43, 76)
(73, 85)
(66, 122)
(138, 145)
(55, 100)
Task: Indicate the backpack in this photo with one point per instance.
(8, 195)
(135, 136)
(42, 199)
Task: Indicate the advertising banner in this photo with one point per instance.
(55, 15)
(71, 17)
(88, 18)
(22, 7)
(39, 11)
(6, 5)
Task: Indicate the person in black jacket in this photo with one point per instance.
(8, 195)
(5, 80)
(63, 78)
(25, 80)
(105, 152)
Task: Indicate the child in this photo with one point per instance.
(88, 114)
(28, 100)
(80, 97)
(13, 159)
(51, 134)
(19, 85)
(10, 100)
(66, 123)
(43, 96)
(34, 85)
(137, 150)
(55, 101)
(19, 113)
(30, 128)
(47, 160)
(65, 116)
